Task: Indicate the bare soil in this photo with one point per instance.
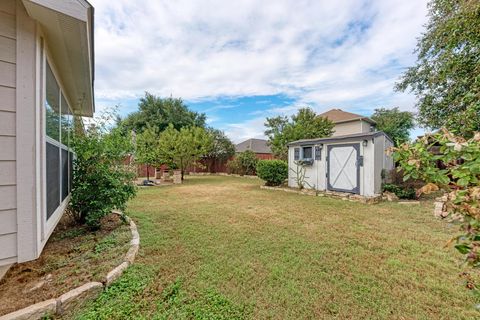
(73, 256)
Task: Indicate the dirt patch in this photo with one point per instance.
(73, 256)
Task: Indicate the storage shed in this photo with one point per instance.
(349, 163)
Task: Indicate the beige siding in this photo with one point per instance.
(7, 147)
(7, 49)
(9, 221)
(7, 173)
(345, 128)
(351, 127)
(8, 243)
(8, 196)
(366, 127)
(7, 99)
(7, 6)
(7, 25)
(7, 123)
(7, 74)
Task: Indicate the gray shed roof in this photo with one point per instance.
(348, 137)
(255, 145)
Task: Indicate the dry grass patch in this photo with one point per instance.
(72, 256)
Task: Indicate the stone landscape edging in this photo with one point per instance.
(89, 290)
(329, 194)
(222, 174)
(439, 207)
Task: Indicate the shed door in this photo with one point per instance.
(343, 172)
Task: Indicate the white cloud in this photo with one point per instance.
(320, 53)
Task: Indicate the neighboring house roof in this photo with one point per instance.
(256, 145)
(339, 116)
(348, 137)
(68, 30)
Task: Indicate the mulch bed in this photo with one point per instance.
(73, 256)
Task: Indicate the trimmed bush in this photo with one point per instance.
(273, 172)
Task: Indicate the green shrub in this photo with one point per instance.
(233, 166)
(399, 191)
(101, 180)
(273, 172)
(243, 163)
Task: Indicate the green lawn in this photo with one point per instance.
(222, 248)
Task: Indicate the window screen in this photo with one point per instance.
(64, 174)
(53, 178)
(58, 124)
(65, 122)
(318, 153)
(70, 171)
(52, 106)
(296, 154)
(307, 152)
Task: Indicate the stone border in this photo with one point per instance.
(439, 209)
(89, 290)
(329, 194)
(222, 174)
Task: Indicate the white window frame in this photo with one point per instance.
(48, 225)
(303, 154)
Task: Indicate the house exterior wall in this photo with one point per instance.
(24, 53)
(351, 127)
(8, 179)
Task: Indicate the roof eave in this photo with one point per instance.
(68, 29)
(353, 137)
(366, 119)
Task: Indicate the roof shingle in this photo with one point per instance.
(255, 145)
(338, 115)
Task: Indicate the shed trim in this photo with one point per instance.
(345, 138)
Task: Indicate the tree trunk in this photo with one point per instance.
(148, 173)
(182, 169)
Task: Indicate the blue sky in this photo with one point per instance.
(240, 62)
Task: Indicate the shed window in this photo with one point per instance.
(307, 153)
(318, 153)
(58, 124)
(296, 154)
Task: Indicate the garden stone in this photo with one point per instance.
(33, 312)
(131, 254)
(390, 196)
(78, 295)
(115, 273)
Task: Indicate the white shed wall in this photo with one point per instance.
(374, 160)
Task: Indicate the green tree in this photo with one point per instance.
(306, 124)
(222, 147)
(446, 76)
(183, 147)
(159, 112)
(147, 149)
(395, 123)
